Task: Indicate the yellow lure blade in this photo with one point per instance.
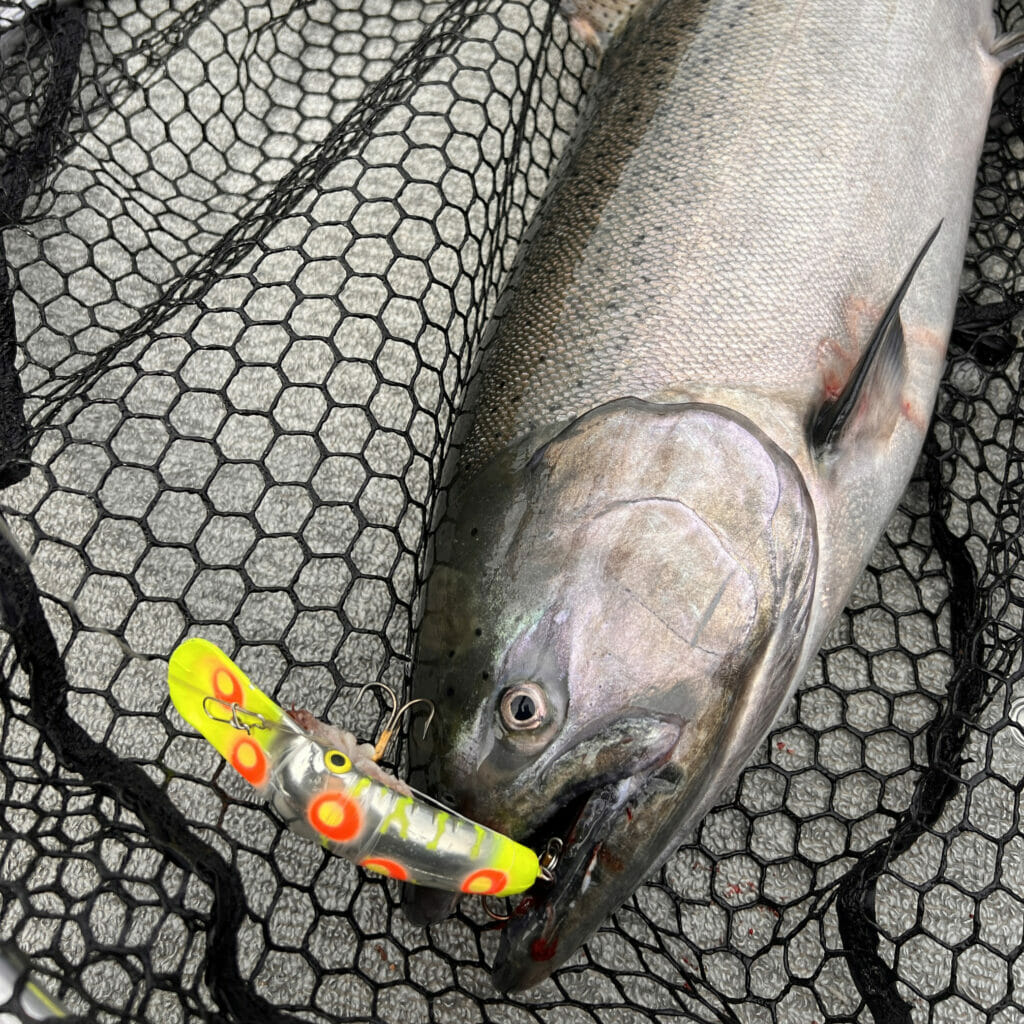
(217, 698)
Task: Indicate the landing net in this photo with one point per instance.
(247, 252)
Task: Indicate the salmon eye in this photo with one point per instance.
(523, 707)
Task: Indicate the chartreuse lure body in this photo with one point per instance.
(320, 791)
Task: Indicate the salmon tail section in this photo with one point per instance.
(217, 699)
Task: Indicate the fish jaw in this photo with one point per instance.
(593, 876)
(646, 574)
(627, 828)
(634, 746)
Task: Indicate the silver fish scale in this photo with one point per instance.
(253, 471)
(717, 209)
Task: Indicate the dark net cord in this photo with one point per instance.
(23, 616)
(946, 737)
(345, 141)
(26, 159)
(129, 787)
(248, 251)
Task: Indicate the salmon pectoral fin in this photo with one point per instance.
(877, 379)
(1008, 48)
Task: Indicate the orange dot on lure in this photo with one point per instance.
(329, 788)
(335, 816)
(383, 866)
(485, 882)
(248, 759)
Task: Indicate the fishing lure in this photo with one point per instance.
(327, 787)
(21, 991)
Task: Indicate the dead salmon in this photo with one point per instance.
(703, 401)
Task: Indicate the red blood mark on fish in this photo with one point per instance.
(542, 949)
(912, 413)
(837, 357)
(524, 906)
(303, 719)
(926, 350)
(608, 860)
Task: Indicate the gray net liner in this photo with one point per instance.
(250, 250)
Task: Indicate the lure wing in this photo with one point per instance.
(216, 698)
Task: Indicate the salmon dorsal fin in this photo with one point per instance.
(879, 372)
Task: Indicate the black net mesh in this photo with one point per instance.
(248, 251)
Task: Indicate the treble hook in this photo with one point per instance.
(548, 861)
(380, 686)
(395, 717)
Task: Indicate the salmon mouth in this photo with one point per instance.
(595, 779)
(534, 932)
(591, 834)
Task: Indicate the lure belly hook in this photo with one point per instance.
(323, 792)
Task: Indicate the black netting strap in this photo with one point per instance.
(24, 163)
(947, 735)
(985, 329)
(128, 785)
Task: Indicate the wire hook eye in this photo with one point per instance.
(493, 914)
(238, 717)
(549, 858)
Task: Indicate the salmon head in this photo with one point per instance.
(613, 619)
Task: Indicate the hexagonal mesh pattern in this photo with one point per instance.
(248, 251)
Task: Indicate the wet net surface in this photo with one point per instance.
(249, 249)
